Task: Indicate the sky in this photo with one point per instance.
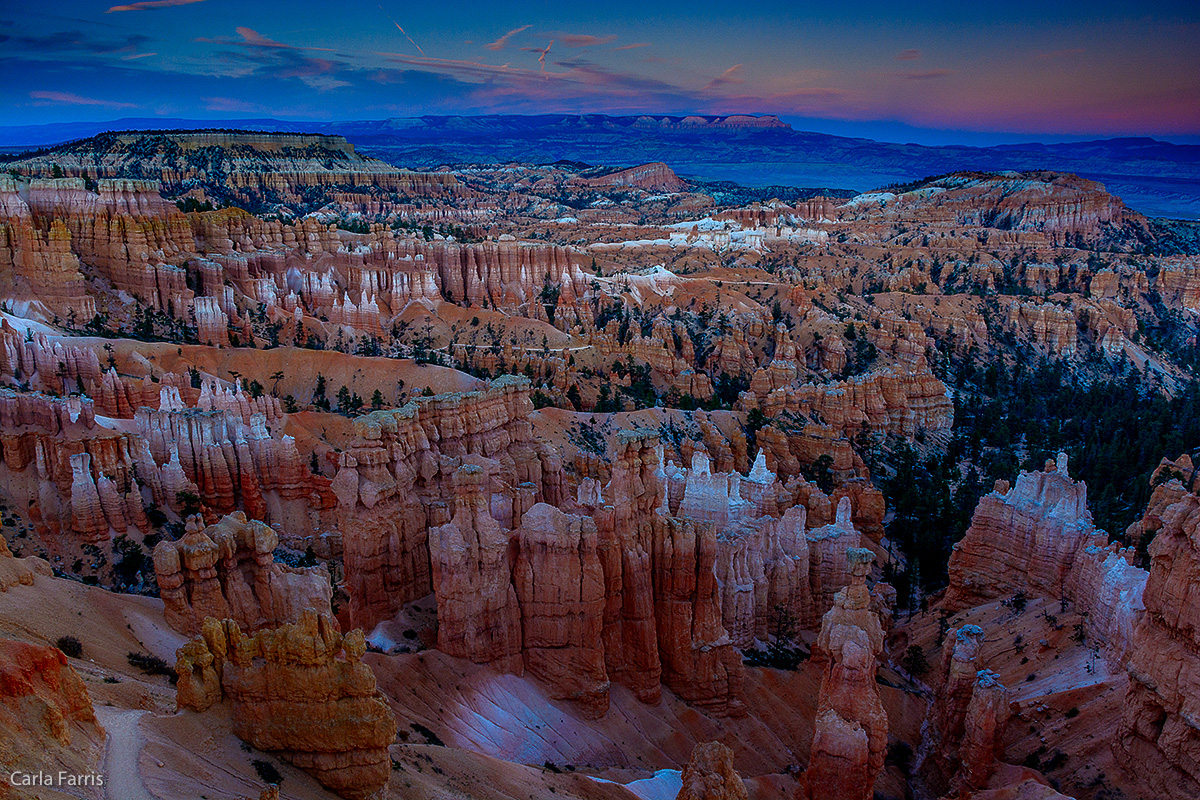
(931, 71)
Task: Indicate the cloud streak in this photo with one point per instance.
(1074, 51)
(70, 98)
(151, 5)
(725, 78)
(406, 36)
(585, 40)
(502, 42)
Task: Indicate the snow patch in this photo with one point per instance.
(665, 785)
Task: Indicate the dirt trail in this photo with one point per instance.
(121, 778)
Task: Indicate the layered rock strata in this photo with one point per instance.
(300, 691)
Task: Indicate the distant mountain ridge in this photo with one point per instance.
(1156, 177)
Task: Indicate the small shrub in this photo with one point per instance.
(1056, 760)
(267, 771)
(151, 665)
(899, 755)
(914, 660)
(1018, 602)
(430, 736)
(1072, 713)
(70, 646)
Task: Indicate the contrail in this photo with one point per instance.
(542, 57)
(397, 24)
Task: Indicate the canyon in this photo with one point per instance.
(330, 478)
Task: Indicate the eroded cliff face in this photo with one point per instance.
(260, 169)
(86, 482)
(1159, 734)
(299, 691)
(559, 584)
(1038, 538)
(478, 614)
(228, 571)
(652, 578)
(396, 481)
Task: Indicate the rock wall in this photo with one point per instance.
(300, 691)
(396, 481)
(478, 614)
(1158, 738)
(559, 585)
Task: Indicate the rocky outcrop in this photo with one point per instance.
(396, 481)
(965, 726)
(19, 571)
(709, 775)
(228, 571)
(850, 739)
(300, 691)
(559, 586)
(46, 715)
(898, 400)
(1038, 538)
(698, 660)
(37, 264)
(478, 614)
(1159, 734)
(982, 745)
(662, 600)
(656, 176)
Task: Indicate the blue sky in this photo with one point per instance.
(924, 71)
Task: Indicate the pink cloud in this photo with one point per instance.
(502, 42)
(70, 98)
(728, 76)
(631, 46)
(585, 40)
(909, 55)
(152, 5)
